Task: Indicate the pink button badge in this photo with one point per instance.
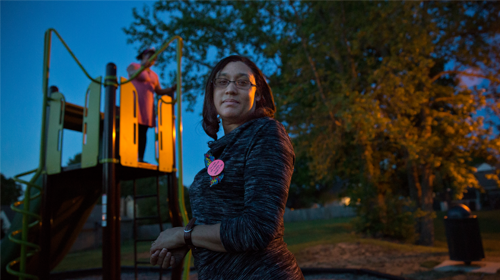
(216, 167)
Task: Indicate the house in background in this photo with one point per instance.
(490, 199)
(491, 188)
(6, 217)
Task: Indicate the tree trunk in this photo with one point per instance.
(413, 182)
(427, 221)
(415, 190)
(382, 210)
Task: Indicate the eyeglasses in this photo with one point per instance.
(241, 84)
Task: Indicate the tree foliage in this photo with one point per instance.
(370, 92)
(11, 190)
(76, 159)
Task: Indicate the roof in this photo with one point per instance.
(484, 167)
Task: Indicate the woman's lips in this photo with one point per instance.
(230, 101)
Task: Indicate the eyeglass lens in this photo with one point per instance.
(242, 84)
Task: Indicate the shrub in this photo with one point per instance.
(384, 215)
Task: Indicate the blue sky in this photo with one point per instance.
(93, 31)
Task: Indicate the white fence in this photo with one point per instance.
(322, 213)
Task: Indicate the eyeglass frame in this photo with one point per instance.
(235, 84)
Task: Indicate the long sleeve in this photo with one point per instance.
(267, 175)
(248, 203)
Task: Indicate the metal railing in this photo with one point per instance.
(27, 214)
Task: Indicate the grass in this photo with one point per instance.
(93, 258)
(301, 235)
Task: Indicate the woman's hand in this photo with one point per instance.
(166, 91)
(173, 88)
(166, 258)
(169, 239)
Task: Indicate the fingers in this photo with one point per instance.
(154, 258)
(168, 257)
(162, 256)
(158, 257)
(167, 260)
(153, 248)
(157, 244)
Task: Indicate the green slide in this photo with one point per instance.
(73, 198)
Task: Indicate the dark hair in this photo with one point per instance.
(144, 52)
(264, 108)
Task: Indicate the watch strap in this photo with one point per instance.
(187, 233)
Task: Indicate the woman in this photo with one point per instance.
(239, 199)
(146, 84)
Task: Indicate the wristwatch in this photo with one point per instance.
(187, 233)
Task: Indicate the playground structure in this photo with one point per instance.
(59, 199)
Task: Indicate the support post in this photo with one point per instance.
(175, 216)
(46, 213)
(110, 216)
(174, 209)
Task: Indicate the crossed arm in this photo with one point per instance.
(169, 248)
(268, 171)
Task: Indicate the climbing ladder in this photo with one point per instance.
(138, 239)
(128, 154)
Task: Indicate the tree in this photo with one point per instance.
(11, 190)
(77, 159)
(369, 91)
(429, 118)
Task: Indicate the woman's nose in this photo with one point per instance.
(231, 89)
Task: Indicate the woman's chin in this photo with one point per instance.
(235, 119)
(228, 115)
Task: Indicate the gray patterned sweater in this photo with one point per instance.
(249, 202)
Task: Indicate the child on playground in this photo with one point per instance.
(146, 84)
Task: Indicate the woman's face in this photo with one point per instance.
(145, 58)
(234, 104)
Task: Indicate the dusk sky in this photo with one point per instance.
(93, 31)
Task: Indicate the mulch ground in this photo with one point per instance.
(411, 265)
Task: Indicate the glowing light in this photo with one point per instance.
(345, 201)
